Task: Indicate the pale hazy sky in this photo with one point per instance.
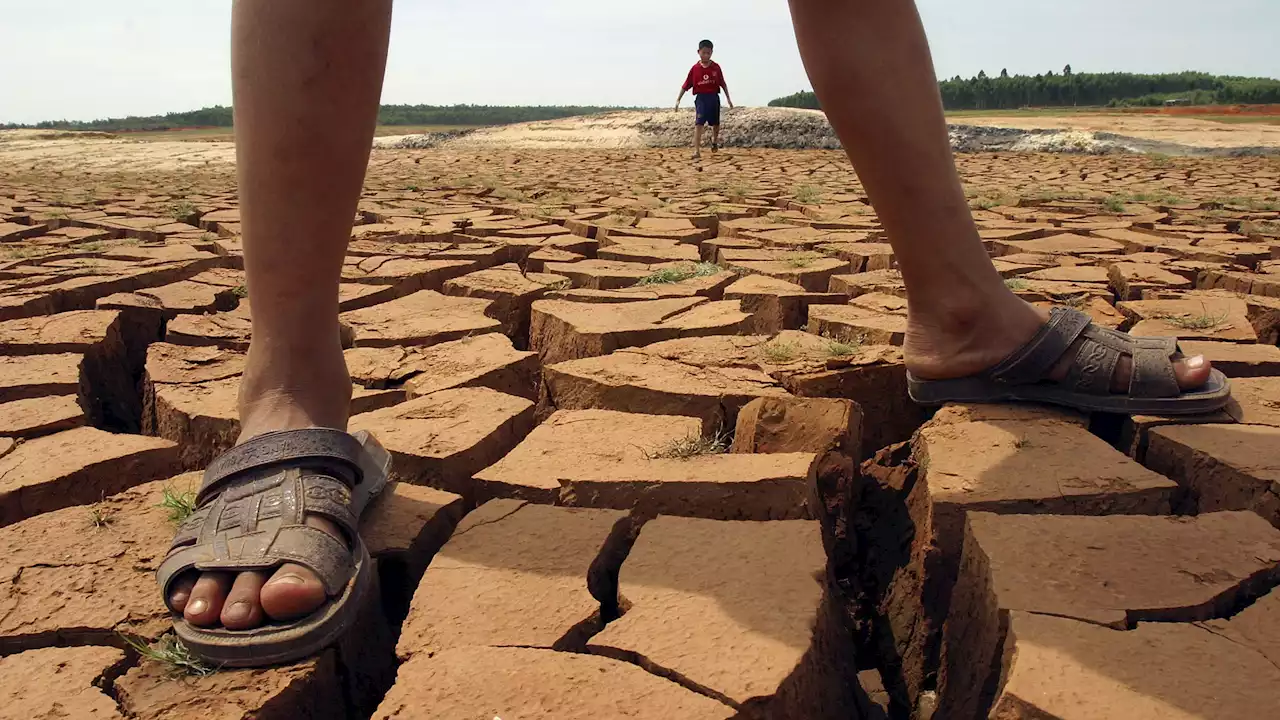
(85, 59)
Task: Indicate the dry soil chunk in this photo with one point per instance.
(1236, 360)
(76, 467)
(69, 332)
(581, 441)
(640, 381)
(480, 683)
(562, 331)
(58, 683)
(488, 360)
(513, 574)
(736, 608)
(1112, 571)
(444, 438)
(1021, 466)
(511, 291)
(34, 417)
(423, 318)
(1203, 318)
(1222, 467)
(848, 323)
(1158, 671)
(39, 376)
(310, 689)
(776, 304)
(1255, 401)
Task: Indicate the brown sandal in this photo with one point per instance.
(249, 516)
(1153, 386)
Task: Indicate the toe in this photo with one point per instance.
(292, 592)
(1192, 372)
(204, 606)
(243, 610)
(181, 591)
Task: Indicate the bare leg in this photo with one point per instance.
(869, 63)
(715, 137)
(697, 141)
(307, 76)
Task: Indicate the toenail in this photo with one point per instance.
(290, 579)
(198, 607)
(1195, 363)
(238, 611)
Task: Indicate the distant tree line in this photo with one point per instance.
(220, 116)
(1092, 89)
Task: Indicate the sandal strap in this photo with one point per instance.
(1032, 362)
(251, 511)
(1095, 363)
(1153, 375)
(337, 452)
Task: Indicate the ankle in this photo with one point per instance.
(288, 388)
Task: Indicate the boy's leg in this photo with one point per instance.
(697, 139)
(306, 78)
(869, 63)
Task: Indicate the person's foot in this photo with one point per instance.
(697, 154)
(275, 394)
(715, 146)
(954, 342)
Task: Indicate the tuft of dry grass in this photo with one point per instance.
(1187, 321)
(691, 446)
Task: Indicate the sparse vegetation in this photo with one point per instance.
(777, 353)
(179, 504)
(691, 446)
(679, 273)
(208, 237)
(1114, 203)
(843, 348)
(182, 210)
(169, 652)
(807, 194)
(1015, 284)
(101, 517)
(1187, 321)
(803, 260)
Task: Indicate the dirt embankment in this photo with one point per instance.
(807, 129)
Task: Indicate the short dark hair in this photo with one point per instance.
(706, 44)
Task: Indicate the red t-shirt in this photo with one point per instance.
(705, 80)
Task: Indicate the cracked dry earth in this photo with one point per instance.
(653, 452)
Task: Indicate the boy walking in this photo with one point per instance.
(705, 80)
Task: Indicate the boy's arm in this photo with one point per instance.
(725, 86)
(688, 85)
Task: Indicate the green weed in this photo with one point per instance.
(807, 194)
(181, 210)
(173, 655)
(777, 353)
(1114, 203)
(679, 273)
(1015, 284)
(100, 517)
(179, 504)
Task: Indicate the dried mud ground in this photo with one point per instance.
(653, 451)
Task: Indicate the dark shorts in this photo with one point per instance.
(708, 107)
